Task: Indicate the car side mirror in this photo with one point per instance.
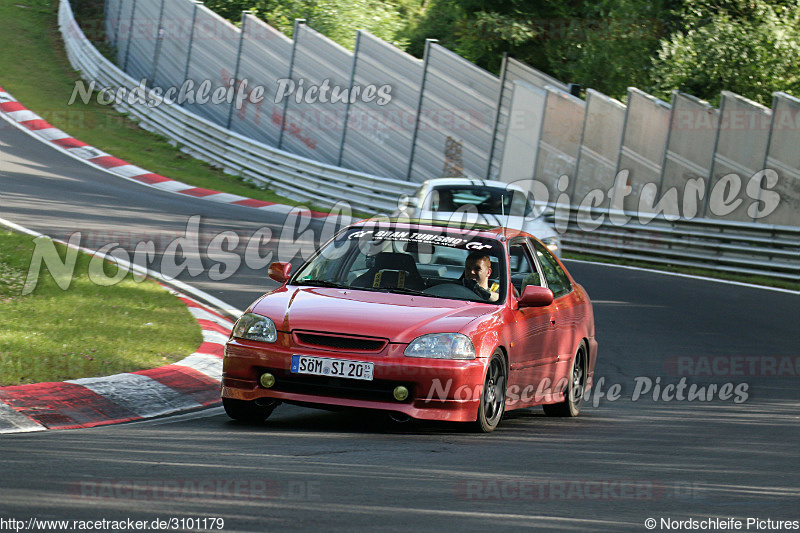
(279, 271)
(407, 202)
(535, 296)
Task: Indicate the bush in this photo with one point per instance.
(336, 19)
(751, 48)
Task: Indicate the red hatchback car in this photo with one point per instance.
(423, 320)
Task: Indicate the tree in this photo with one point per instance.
(701, 47)
(336, 19)
(606, 45)
(750, 47)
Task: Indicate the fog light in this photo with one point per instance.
(267, 380)
(400, 393)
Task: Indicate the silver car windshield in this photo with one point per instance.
(484, 200)
(420, 262)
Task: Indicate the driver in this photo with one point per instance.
(477, 269)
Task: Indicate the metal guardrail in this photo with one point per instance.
(735, 247)
(287, 174)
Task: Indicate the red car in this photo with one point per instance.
(421, 320)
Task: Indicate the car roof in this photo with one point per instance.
(445, 182)
(474, 229)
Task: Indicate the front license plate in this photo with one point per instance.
(341, 368)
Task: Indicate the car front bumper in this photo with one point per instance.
(445, 390)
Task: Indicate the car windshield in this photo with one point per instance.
(486, 200)
(409, 261)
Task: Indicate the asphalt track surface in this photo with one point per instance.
(616, 465)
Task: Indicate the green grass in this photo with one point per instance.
(88, 330)
(702, 272)
(35, 70)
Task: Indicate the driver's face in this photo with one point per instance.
(479, 271)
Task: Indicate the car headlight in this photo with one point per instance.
(255, 327)
(552, 243)
(441, 346)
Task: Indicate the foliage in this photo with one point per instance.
(751, 48)
(698, 46)
(609, 44)
(439, 21)
(231, 9)
(336, 19)
(606, 45)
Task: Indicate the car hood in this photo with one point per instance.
(397, 317)
(537, 227)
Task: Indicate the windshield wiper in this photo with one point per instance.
(321, 283)
(400, 290)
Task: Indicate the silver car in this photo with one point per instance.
(480, 201)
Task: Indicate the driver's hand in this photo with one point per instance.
(477, 289)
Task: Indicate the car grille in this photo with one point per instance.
(339, 342)
(377, 390)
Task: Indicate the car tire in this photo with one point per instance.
(573, 396)
(246, 411)
(492, 404)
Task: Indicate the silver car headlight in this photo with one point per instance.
(253, 327)
(441, 346)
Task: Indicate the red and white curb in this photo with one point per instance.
(29, 121)
(191, 383)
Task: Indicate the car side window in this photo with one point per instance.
(523, 268)
(557, 280)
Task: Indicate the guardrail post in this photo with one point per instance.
(105, 19)
(191, 40)
(503, 71)
(707, 199)
(347, 105)
(769, 142)
(428, 43)
(297, 24)
(159, 39)
(660, 191)
(574, 184)
(130, 37)
(119, 22)
(238, 63)
(619, 154)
